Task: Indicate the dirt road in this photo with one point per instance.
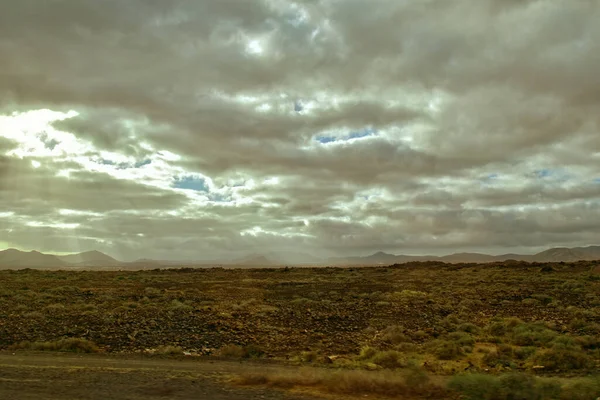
(25, 376)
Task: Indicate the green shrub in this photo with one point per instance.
(533, 334)
(366, 353)
(565, 342)
(450, 323)
(588, 342)
(583, 326)
(542, 298)
(34, 315)
(419, 335)
(531, 302)
(468, 328)
(523, 353)
(563, 358)
(505, 387)
(461, 338)
(152, 292)
(390, 359)
(179, 306)
(581, 389)
(502, 356)
(446, 350)
(65, 290)
(501, 328)
(475, 386)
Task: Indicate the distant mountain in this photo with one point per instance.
(591, 251)
(255, 260)
(551, 255)
(89, 258)
(292, 258)
(15, 258)
(381, 258)
(569, 254)
(468, 258)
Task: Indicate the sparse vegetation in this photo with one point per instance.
(236, 351)
(63, 345)
(411, 383)
(430, 319)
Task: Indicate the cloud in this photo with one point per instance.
(202, 129)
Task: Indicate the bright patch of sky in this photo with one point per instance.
(254, 47)
(336, 137)
(271, 181)
(543, 173)
(256, 231)
(55, 225)
(553, 175)
(190, 182)
(36, 138)
(79, 213)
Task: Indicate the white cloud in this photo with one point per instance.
(413, 126)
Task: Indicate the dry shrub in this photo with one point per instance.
(235, 351)
(505, 387)
(309, 356)
(168, 350)
(390, 359)
(366, 353)
(395, 334)
(382, 383)
(75, 345)
(520, 386)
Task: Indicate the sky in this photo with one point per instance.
(204, 129)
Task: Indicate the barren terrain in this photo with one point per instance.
(438, 319)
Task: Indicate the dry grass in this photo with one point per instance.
(235, 351)
(412, 382)
(63, 345)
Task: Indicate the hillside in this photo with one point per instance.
(17, 258)
(558, 254)
(13, 258)
(89, 258)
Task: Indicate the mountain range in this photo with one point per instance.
(12, 258)
(557, 254)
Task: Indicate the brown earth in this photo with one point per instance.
(438, 317)
(283, 312)
(65, 377)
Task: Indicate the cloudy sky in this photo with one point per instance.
(205, 129)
